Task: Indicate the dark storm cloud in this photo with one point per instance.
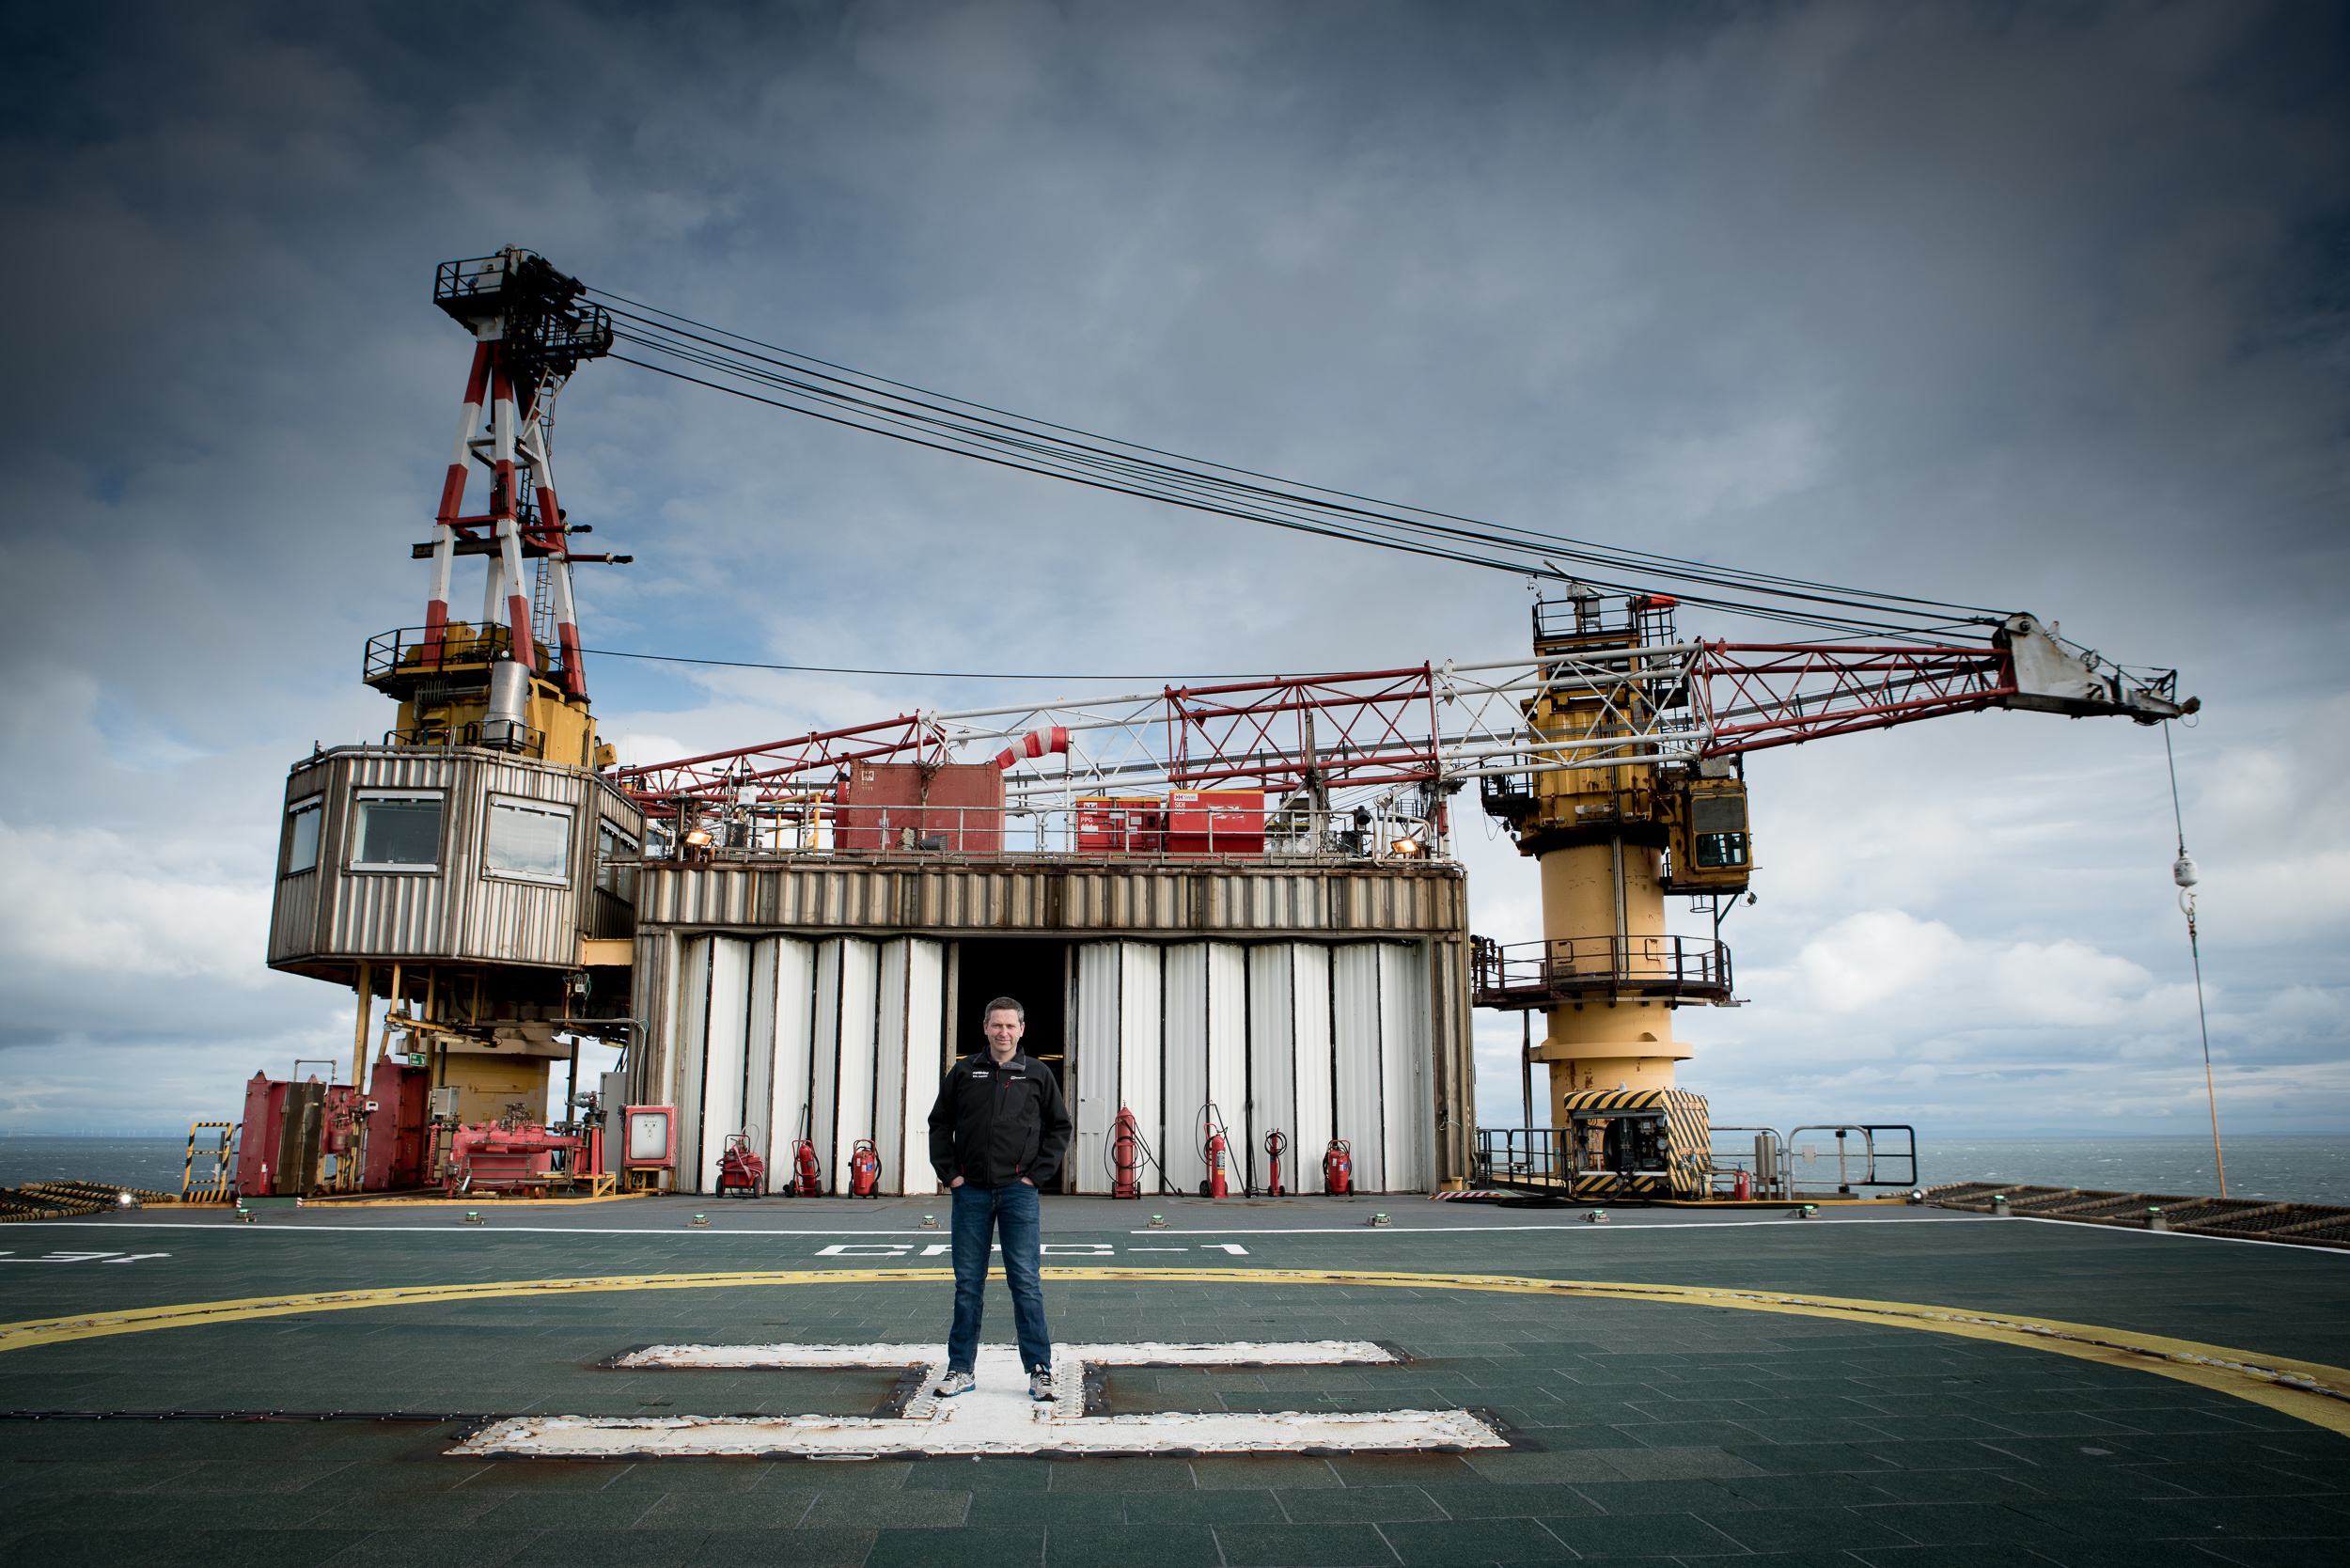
(2034, 306)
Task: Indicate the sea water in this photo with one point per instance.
(2278, 1167)
(151, 1163)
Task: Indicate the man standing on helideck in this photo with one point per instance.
(997, 1132)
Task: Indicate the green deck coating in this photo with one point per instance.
(1664, 1432)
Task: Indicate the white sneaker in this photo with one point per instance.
(1041, 1386)
(956, 1383)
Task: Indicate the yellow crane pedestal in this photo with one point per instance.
(1604, 1038)
(1614, 829)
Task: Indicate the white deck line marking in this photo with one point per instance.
(681, 1230)
(1254, 1353)
(998, 1417)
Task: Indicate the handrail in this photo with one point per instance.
(1524, 974)
(409, 651)
(1867, 1156)
(1765, 1160)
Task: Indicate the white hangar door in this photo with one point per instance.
(835, 1041)
(1355, 1061)
(782, 1013)
(1316, 1041)
(1289, 1059)
(1382, 1083)
(879, 1042)
(713, 1007)
(1095, 1053)
(1407, 1102)
(911, 1041)
(1115, 991)
(1203, 1059)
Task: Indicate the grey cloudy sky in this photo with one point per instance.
(2034, 306)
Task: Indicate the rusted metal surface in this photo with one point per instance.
(1042, 898)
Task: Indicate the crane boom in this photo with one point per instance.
(1431, 723)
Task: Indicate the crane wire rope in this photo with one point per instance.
(936, 674)
(1763, 612)
(2182, 872)
(978, 430)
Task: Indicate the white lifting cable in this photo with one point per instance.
(2182, 872)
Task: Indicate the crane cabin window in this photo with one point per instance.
(303, 819)
(613, 845)
(396, 830)
(1718, 825)
(527, 838)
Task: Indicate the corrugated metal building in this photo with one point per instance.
(823, 994)
(824, 998)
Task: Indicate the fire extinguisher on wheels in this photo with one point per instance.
(1125, 1156)
(864, 1169)
(807, 1175)
(1276, 1142)
(1212, 1151)
(1338, 1167)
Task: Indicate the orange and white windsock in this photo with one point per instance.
(1035, 743)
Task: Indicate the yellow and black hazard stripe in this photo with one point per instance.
(1593, 1102)
(1689, 1124)
(1688, 1131)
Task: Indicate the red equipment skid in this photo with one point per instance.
(489, 1157)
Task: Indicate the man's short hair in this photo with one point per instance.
(1004, 1004)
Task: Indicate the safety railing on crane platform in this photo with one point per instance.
(412, 655)
(1777, 1166)
(814, 825)
(1537, 974)
(521, 738)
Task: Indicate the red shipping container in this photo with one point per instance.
(1216, 822)
(957, 808)
(1120, 824)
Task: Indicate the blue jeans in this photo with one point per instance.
(1013, 1213)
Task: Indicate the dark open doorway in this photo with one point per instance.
(1036, 973)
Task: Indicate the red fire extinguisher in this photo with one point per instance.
(1126, 1150)
(1273, 1146)
(807, 1177)
(1216, 1187)
(1338, 1167)
(1745, 1186)
(864, 1169)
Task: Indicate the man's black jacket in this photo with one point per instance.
(994, 1124)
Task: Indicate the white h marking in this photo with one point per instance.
(998, 1417)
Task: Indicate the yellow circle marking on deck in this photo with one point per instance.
(2309, 1390)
